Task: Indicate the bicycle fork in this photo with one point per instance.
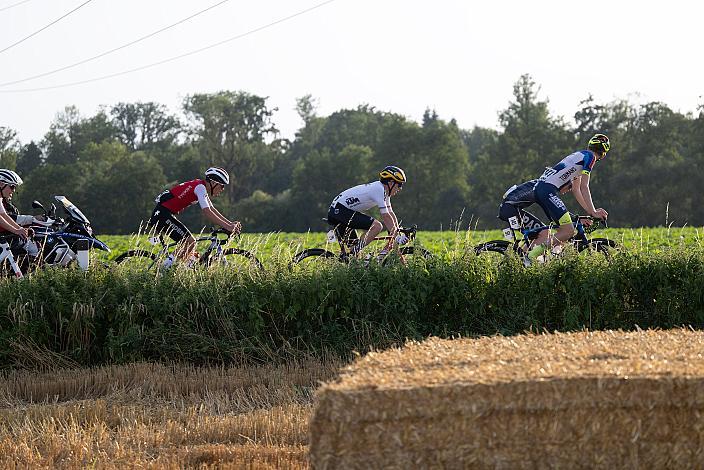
(6, 254)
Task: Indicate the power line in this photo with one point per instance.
(14, 5)
(171, 59)
(131, 43)
(43, 28)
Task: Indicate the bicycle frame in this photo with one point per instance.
(215, 245)
(6, 255)
(345, 244)
(531, 234)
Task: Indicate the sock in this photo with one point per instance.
(536, 251)
(169, 261)
(357, 247)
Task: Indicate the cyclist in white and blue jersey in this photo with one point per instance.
(516, 200)
(574, 169)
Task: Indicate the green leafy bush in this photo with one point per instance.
(113, 316)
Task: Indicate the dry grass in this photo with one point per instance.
(156, 416)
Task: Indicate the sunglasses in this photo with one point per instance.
(12, 186)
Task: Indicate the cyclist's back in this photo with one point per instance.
(564, 172)
(363, 197)
(183, 195)
(521, 195)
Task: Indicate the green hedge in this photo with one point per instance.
(115, 316)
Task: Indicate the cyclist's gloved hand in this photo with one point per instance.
(401, 239)
(235, 228)
(23, 233)
(601, 214)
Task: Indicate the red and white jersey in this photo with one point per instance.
(183, 195)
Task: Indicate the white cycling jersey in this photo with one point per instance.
(569, 168)
(363, 197)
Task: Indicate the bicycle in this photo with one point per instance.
(213, 255)
(347, 242)
(513, 244)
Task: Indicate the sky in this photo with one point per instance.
(460, 58)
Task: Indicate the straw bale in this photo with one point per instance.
(589, 399)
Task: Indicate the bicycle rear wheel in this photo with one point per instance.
(137, 259)
(502, 247)
(311, 257)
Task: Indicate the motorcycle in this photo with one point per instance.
(62, 241)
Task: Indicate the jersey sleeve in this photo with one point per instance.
(202, 194)
(24, 219)
(381, 200)
(2, 207)
(588, 162)
(386, 208)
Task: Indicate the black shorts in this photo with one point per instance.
(345, 221)
(164, 221)
(527, 220)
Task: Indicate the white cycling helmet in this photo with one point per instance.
(217, 174)
(10, 177)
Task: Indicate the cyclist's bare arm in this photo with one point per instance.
(584, 196)
(391, 224)
(214, 216)
(9, 224)
(582, 193)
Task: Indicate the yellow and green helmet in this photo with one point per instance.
(599, 143)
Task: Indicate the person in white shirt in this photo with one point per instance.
(347, 210)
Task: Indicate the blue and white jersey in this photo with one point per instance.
(569, 168)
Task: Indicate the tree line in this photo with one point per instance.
(113, 164)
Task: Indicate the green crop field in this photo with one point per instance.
(280, 247)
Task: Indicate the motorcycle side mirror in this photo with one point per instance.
(52, 211)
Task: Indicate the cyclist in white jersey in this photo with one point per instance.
(574, 169)
(346, 211)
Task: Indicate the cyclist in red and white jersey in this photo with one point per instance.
(346, 211)
(173, 201)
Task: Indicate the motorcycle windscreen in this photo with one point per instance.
(71, 209)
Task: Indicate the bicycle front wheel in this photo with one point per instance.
(137, 259)
(600, 245)
(412, 254)
(237, 259)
